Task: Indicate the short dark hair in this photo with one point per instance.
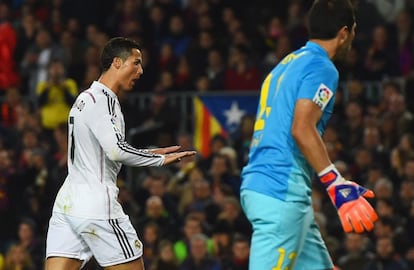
(327, 17)
(117, 47)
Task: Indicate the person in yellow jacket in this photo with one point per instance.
(56, 95)
(1, 262)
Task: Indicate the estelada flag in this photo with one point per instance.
(219, 115)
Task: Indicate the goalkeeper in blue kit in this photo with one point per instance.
(296, 101)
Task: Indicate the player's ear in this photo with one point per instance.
(343, 34)
(117, 62)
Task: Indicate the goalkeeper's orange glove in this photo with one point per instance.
(355, 212)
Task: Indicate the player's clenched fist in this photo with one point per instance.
(354, 211)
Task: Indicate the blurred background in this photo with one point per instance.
(203, 62)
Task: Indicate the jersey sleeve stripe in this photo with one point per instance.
(91, 95)
(124, 146)
(109, 105)
(108, 101)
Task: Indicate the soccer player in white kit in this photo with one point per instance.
(87, 219)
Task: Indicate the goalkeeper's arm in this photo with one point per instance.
(355, 213)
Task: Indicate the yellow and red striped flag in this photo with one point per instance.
(220, 115)
(206, 126)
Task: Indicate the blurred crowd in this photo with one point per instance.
(188, 215)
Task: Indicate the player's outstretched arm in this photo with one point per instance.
(354, 211)
(171, 154)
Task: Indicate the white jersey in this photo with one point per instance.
(96, 151)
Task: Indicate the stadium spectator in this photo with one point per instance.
(215, 69)
(240, 73)
(8, 39)
(34, 67)
(240, 250)
(192, 226)
(386, 259)
(28, 239)
(8, 109)
(59, 29)
(380, 58)
(356, 254)
(155, 213)
(17, 258)
(199, 257)
(177, 35)
(150, 241)
(165, 259)
(55, 95)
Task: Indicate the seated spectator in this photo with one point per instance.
(386, 259)
(240, 252)
(356, 254)
(165, 259)
(215, 69)
(157, 186)
(241, 74)
(282, 48)
(384, 189)
(401, 115)
(155, 213)
(167, 60)
(17, 258)
(216, 143)
(56, 96)
(409, 257)
(159, 118)
(34, 66)
(231, 213)
(202, 84)
(242, 139)
(410, 226)
(222, 237)
(380, 57)
(150, 241)
(9, 107)
(29, 240)
(202, 201)
(177, 35)
(9, 76)
(405, 198)
(192, 226)
(199, 257)
(221, 172)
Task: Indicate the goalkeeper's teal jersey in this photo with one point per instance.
(276, 166)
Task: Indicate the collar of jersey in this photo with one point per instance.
(99, 85)
(316, 47)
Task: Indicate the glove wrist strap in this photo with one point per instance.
(330, 176)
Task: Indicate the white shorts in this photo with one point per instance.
(111, 242)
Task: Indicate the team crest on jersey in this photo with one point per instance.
(322, 96)
(79, 104)
(115, 125)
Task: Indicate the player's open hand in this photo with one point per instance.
(166, 150)
(171, 154)
(177, 156)
(355, 212)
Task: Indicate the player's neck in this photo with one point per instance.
(110, 82)
(330, 46)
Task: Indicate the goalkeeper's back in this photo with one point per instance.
(283, 172)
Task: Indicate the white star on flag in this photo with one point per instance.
(234, 114)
